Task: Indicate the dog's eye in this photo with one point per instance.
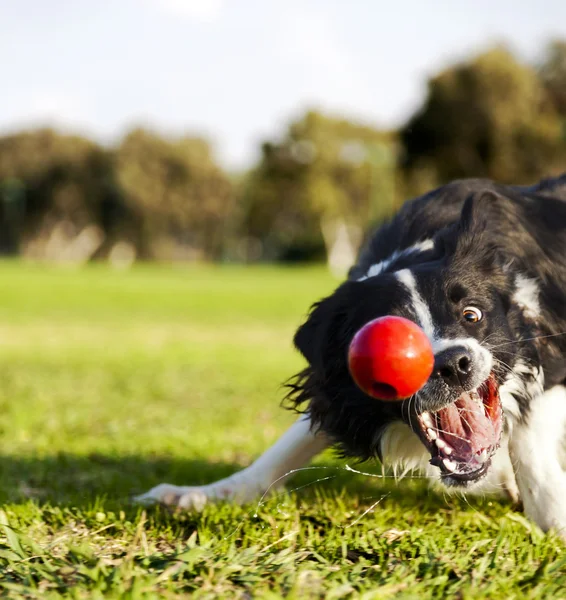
(472, 314)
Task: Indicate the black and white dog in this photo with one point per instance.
(481, 267)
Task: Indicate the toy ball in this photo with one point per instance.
(390, 358)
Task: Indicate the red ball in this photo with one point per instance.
(390, 358)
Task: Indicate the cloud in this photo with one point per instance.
(202, 11)
(332, 75)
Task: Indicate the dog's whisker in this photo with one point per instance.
(521, 340)
(489, 335)
(368, 510)
(413, 399)
(451, 434)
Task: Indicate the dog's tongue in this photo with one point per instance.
(465, 426)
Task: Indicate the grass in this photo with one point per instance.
(111, 383)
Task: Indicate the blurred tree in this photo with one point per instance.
(317, 190)
(491, 117)
(64, 197)
(313, 193)
(553, 74)
(182, 196)
(54, 189)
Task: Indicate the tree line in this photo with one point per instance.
(313, 192)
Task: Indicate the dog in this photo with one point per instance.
(481, 268)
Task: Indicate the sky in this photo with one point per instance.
(237, 71)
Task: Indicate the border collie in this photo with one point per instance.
(481, 267)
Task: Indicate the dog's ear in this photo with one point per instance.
(485, 211)
(464, 235)
(309, 338)
(489, 231)
(324, 325)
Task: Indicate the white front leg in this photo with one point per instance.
(536, 448)
(295, 448)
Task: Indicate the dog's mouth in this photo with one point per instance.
(463, 436)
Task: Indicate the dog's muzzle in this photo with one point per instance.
(463, 435)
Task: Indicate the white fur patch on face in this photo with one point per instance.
(380, 267)
(483, 359)
(526, 296)
(419, 306)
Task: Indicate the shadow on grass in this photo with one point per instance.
(111, 481)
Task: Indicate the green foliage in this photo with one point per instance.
(114, 382)
(177, 188)
(324, 170)
(46, 179)
(553, 74)
(313, 194)
(489, 117)
(150, 192)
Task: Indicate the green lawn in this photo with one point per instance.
(111, 383)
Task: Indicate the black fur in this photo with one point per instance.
(485, 234)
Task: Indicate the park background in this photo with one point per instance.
(179, 181)
(184, 130)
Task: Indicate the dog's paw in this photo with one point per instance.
(237, 489)
(241, 487)
(188, 498)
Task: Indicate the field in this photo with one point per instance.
(112, 382)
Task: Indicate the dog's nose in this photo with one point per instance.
(454, 365)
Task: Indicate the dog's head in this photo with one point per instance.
(460, 287)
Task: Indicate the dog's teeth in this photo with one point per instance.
(450, 465)
(431, 434)
(482, 456)
(425, 417)
(446, 448)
